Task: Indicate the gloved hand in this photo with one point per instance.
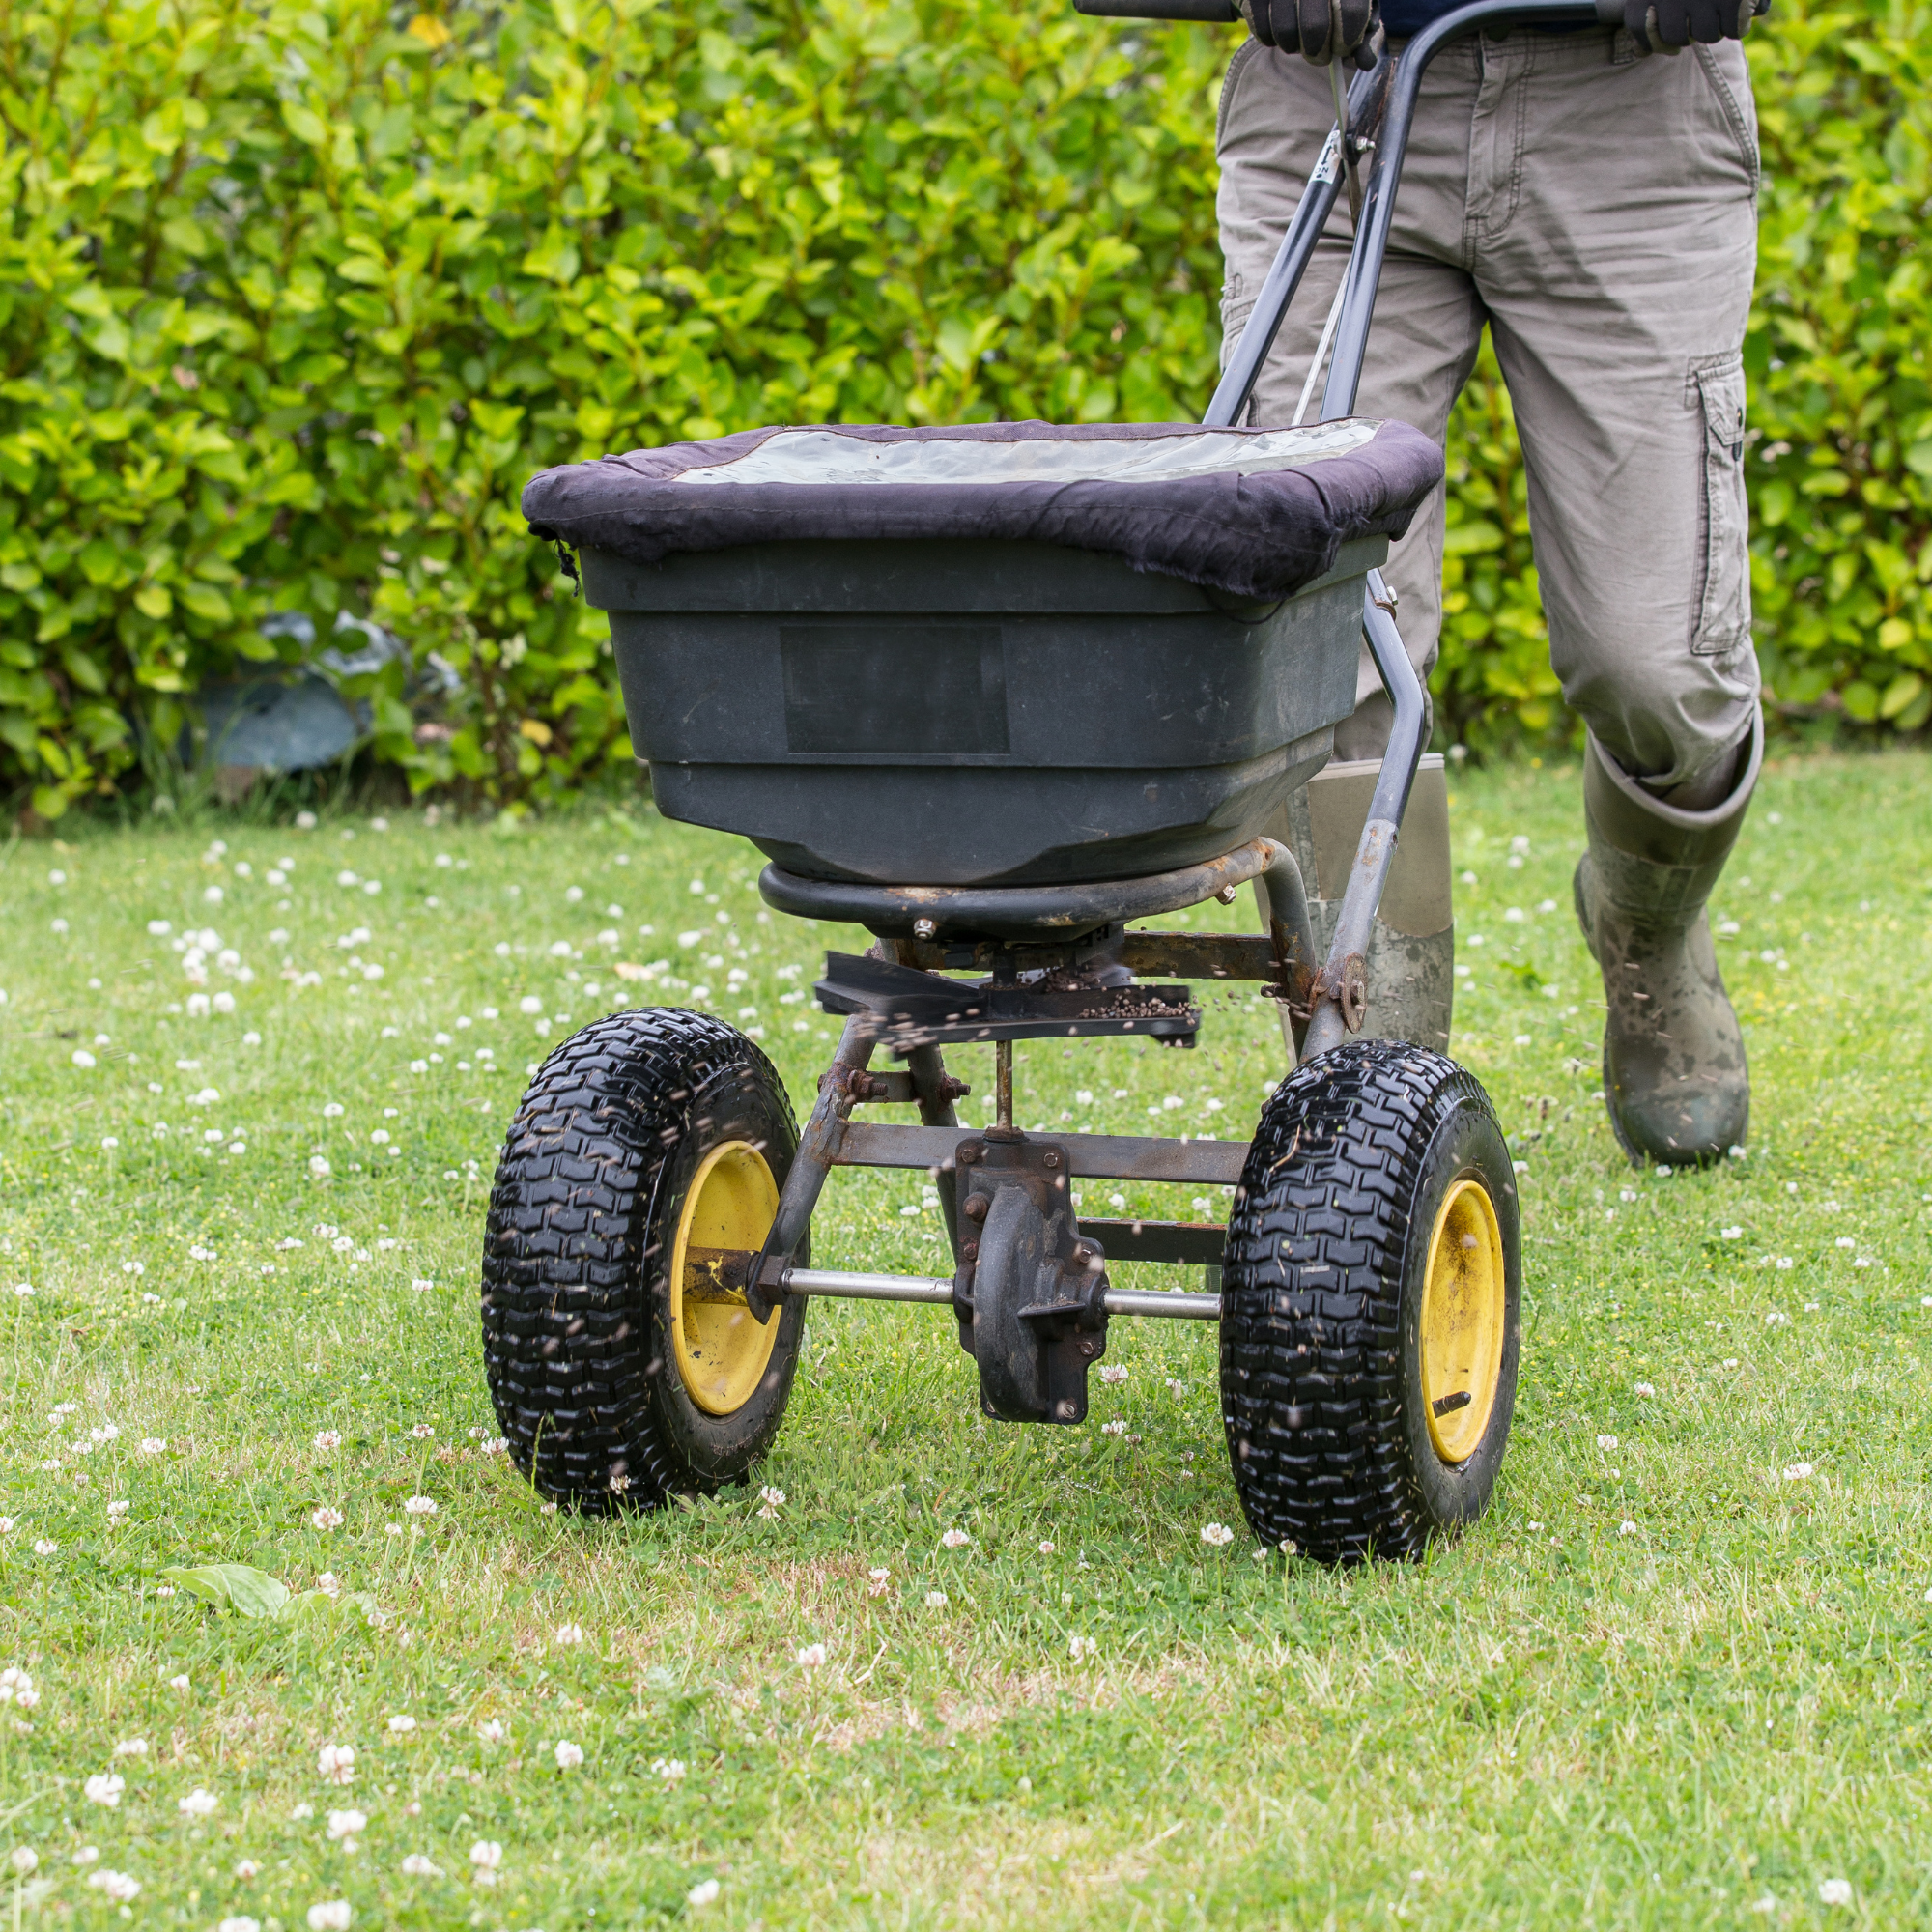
(1328, 30)
(1662, 24)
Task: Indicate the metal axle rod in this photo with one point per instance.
(934, 1288)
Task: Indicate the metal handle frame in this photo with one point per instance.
(1382, 108)
(1381, 111)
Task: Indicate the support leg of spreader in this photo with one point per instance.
(1342, 990)
(817, 1150)
(1282, 896)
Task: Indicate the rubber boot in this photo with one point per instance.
(1674, 1073)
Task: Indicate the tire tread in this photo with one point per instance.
(1311, 1370)
(565, 1341)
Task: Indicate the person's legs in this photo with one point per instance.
(1616, 258)
(1615, 255)
(1276, 111)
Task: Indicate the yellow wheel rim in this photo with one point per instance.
(1465, 1296)
(722, 1349)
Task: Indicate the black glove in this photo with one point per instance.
(1325, 30)
(1676, 23)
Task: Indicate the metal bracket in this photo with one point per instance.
(906, 1009)
(1030, 1294)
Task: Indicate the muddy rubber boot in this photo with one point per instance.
(1674, 1073)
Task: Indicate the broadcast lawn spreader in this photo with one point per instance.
(997, 695)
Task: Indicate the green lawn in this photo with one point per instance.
(1678, 1677)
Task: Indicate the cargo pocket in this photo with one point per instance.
(1723, 596)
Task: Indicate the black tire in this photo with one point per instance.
(1329, 1246)
(595, 1176)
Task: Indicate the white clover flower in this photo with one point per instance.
(1115, 1428)
(1081, 1648)
(772, 1498)
(180, 1683)
(1835, 1891)
(568, 1755)
(935, 1600)
(811, 1655)
(1627, 1528)
(331, 1916)
(154, 1445)
(326, 1518)
(1216, 1534)
(422, 1431)
(118, 1509)
(1114, 1374)
(198, 1804)
(246, 1868)
(240, 1923)
(491, 1731)
(419, 1506)
(416, 1865)
(878, 1580)
(344, 1825)
(1797, 1472)
(329, 1438)
(121, 1887)
(705, 1893)
(1047, 1546)
(669, 1768)
(337, 1763)
(570, 1633)
(1606, 1442)
(104, 1787)
(401, 1725)
(131, 1747)
(328, 1583)
(23, 1859)
(1643, 1390)
(955, 1539)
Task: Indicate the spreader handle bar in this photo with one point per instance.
(1285, 272)
(1379, 113)
(1216, 13)
(1365, 264)
(1224, 12)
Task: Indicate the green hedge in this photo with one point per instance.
(293, 299)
